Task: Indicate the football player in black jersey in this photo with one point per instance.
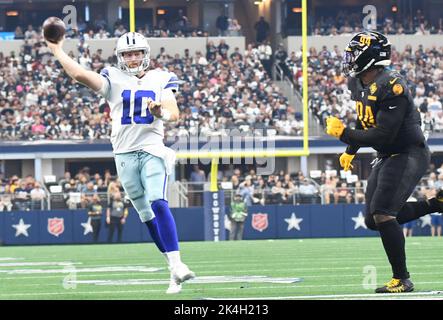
(389, 122)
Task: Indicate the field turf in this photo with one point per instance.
(261, 269)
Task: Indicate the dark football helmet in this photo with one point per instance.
(367, 49)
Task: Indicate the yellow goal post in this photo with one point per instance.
(216, 155)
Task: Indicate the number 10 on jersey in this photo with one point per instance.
(138, 104)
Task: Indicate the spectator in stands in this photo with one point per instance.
(95, 211)
(281, 56)
(265, 56)
(116, 214)
(262, 29)
(239, 212)
(223, 48)
(52, 131)
(30, 33)
(246, 190)
(222, 24)
(211, 51)
(102, 34)
(181, 23)
(308, 193)
(291, 193)
(327, 189)
(278, 193)
(197, 179)
(38, 195)
(5, 199)
(88, 194)
(234, 28)
(18, 34)
(120, 31)
(342, 194)
(359, 193)
(21, 197)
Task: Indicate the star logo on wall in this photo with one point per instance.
(359, 221)
(21, 228)
(293, 222)
(425, 220)
(87, 226)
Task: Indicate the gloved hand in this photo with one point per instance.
(345, 161)
(334, 127)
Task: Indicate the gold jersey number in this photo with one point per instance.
(365, 115)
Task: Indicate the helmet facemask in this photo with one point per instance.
(123, 64)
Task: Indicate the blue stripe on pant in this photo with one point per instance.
(143, 177)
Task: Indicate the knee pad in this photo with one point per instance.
(370, 222)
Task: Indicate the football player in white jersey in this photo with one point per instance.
(140, 100)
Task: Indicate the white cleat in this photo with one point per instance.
(181, 273)
(174, 288)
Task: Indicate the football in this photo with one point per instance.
(53, 29)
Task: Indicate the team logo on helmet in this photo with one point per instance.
(260, 221)
(56, 226)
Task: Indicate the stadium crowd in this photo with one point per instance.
(175, 28)
(320, 187)
(345, 22)
(77, 191)
(328, 94)
(219, 93)
(340, 22)
(325, 187)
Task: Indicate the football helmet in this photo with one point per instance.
(366, 49)
(132, 41)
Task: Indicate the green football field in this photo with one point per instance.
(267, 269)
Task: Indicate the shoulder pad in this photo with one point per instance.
(391, 85)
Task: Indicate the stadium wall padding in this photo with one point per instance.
(263, 222)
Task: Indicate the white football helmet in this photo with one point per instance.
(132, 41)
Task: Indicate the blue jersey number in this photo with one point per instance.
(138, 98)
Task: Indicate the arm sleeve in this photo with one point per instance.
(353, 148)
(172, 82)
(389, 119)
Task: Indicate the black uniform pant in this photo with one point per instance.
(115, 223)
(392, 181)
(96, 225)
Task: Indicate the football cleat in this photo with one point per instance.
(396, 286)
(173, 288)
(181, 273)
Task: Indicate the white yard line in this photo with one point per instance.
(430, 294)
(343, 296)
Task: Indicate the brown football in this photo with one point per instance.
(53, 29)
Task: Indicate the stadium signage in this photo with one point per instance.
(259, 221)
(214, 210)
(56, 226)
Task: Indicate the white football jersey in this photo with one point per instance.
(133, 126)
